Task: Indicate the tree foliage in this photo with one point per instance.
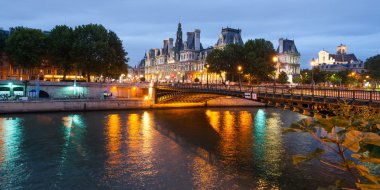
(116, 57)
(282, 78)
(354, 130)
(60, 43)
(373, 66)
(26, 47)
(91, 49)
(3, 38)
(98, 52)
(259, 59)
(255, 57)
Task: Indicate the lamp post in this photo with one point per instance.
(312, 62)
(240, 71)
(275, 60)
(201, 77)
(207, 66)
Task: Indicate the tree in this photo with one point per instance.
(305, 76)
(282, 78)
(259, 59)
(3, 38)
(26, 47)
(296, 79)
(255, 57)
(218, 62)
(372, 64)
(116, 57)
(99, 52)
(90, 49)
(60, 43)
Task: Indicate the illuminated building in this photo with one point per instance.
(185, 61)
(288, 58)
(340, 61)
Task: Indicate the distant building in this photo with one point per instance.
(185, 60)
(229, 36)
(340, 61)
(288, 58)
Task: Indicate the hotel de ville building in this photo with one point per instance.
(186, 60)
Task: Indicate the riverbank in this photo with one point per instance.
(114, 104)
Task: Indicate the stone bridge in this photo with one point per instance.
(307, 100)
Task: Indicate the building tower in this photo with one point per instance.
(178, 42)
(341, 49)
(197, 40)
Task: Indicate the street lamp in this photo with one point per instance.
(240, 71)
(201, 76)
(275, 60)
(312, 62)
(207, 66)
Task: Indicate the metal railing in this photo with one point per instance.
(368, 95)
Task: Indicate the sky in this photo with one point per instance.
(144, 24)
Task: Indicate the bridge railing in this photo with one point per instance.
(370, 95)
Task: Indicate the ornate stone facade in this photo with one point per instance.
(288, 58)
(185, 61)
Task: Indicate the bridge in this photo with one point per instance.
(308, 100)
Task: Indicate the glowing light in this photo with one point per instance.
(146, 98)
(275, 59)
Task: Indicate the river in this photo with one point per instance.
(200, 148)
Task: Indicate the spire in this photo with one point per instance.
(178, 41)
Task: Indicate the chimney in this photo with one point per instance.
(197, 40)
(281, 45)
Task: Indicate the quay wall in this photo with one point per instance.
(115, 104)
(80, 89)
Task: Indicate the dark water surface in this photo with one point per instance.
(222, 148)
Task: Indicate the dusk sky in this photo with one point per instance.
(144, 24)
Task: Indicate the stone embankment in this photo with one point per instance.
(113, 104)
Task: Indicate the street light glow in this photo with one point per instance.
(312, 62)
(240, 68)
(275, 59)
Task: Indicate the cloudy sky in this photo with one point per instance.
(143, 24)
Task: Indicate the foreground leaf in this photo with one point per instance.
(297, 159)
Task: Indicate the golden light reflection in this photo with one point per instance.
(274, 144)
(214, 119)
(114, 134)
(204, 174)
(133, 127)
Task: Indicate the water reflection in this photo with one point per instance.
(238, 148)
(10, 151)
(74, 130)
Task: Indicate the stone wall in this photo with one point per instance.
(77, 105)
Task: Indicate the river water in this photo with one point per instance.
(202, 148)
